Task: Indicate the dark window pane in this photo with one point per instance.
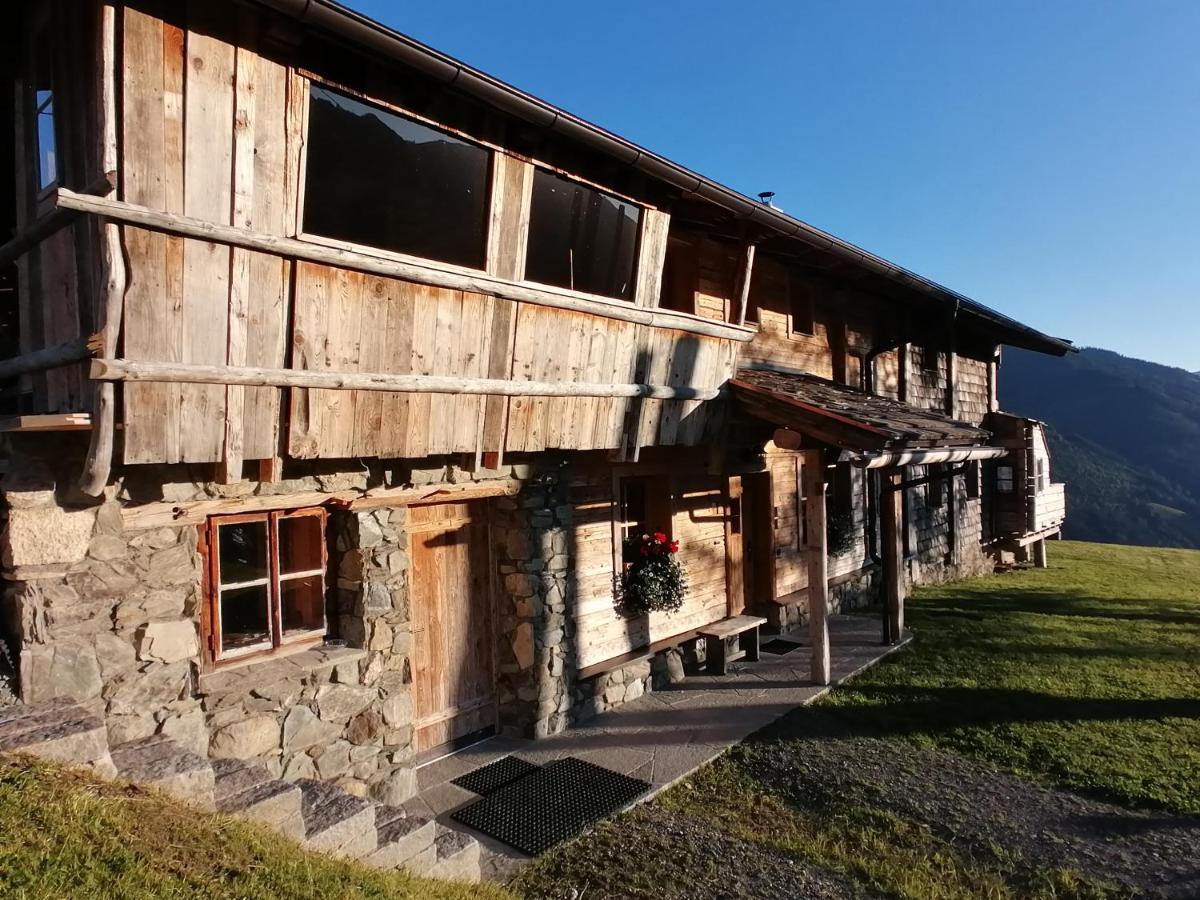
(243, 552)
(302, 605)
(300, 539)
(245, 621)
(581, 238)
(380, 179)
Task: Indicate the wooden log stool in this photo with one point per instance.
(720, 638)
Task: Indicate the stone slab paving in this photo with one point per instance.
(665, 735)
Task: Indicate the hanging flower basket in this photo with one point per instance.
(652, 579)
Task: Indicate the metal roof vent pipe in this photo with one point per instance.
(767, 198)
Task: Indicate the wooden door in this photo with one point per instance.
(758, 543)
(454, 683)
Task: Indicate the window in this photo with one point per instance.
(800, 303)
(267, 577)
(929, 359)
(43, 111)
(377, 178)
(854, 371)
(1004, 479)
(1041, 475)
(581, 238)
(973, 481)
(937, 486)
(645, 507)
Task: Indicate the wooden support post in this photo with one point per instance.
(98, 465)
(890, 500)
(813, 475)
(1039, 554)
(744, 284)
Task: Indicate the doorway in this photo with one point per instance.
(453, 654)
(749, 541)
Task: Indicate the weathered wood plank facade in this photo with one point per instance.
(479, 392)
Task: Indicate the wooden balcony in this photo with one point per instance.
(1050, 507)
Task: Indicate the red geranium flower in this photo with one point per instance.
(674, 545)
(660, 537)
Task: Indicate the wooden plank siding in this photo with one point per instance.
(214, 125)
(206, 129)
(699, 510)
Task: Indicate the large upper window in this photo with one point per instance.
(383, 180)
(267, 581)
(581, 238)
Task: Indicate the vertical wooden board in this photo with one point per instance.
(508, 230)
(245, 76)
(661, 347)
(207, 195)
(446, 359)
(524, 353)
(583, 426)
(424, 351)
(652, 252)
(397, 357)
(309, 342)
(501, 344)
(368, 405)
(707, 375)
(621, 416)
(533, 334)
(269, 275)
(565, 348)
(59, 296)
(148, 165)
(476, 331)
(345, 306)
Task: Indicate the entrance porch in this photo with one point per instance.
(667, 734)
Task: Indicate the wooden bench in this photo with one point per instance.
(720, 636)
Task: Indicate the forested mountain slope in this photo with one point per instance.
(1124, 434)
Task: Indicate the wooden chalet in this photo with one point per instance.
(337, 372)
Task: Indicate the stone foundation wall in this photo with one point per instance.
(859, 592)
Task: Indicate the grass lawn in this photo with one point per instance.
(66, 834)
(1086, 674)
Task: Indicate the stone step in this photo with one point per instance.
(457, 856)
(59, 731)
(159, 762)
(245, 789)
(336, 822)
(404, 840)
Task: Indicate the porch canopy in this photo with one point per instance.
(872, 432)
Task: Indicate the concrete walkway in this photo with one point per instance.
(662, 736)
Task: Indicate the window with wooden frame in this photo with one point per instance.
(266, 582)
(644, 507)
(1004, 479)
(1041, 475)
(379, 179)
(973, 480)
(581, 238)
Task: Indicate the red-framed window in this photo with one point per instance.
(266, 581)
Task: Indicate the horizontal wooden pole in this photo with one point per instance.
(54, 221)
(181, 373)
(72, 351)
(196, 512)
(431, 273)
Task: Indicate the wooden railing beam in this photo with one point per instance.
(181, 373)
(54, 221)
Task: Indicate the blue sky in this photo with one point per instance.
(1041, 157)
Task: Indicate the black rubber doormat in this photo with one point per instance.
(494, 775)
(779, 646)
(548, 806)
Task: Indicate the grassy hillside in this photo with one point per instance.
(1123, 433)
(1083, 674)
(67, 834)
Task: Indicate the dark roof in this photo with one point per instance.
(846, 417)
(366, 33)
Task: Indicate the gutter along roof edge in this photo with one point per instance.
(364, 31)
